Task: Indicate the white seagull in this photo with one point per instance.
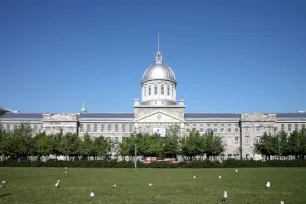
(282, 202)
(219, 177)
(66, 168)
(150, 184)
(225, 195)
(236, 170)
(194, 177)
(57, 183)
(114, 186)
(268, 184)
(4, 181)
(92, 194)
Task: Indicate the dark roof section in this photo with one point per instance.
(21, 115)
(291, 115)
(212, 115)
(106, 115)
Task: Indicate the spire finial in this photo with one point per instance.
(158, 42)
(83, 109)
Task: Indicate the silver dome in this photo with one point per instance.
(158, 71)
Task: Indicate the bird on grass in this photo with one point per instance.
(91, 194)
(114, 186)
(3, 182)
(57, 183)
(150, 184)
(282, 202)
(225, 196)
(268, 184)
(236, 170)
(219, 177)
(194, 177)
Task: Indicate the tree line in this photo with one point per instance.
(282, 144)
(21, 143)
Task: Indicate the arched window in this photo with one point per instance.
(149, 90)
(162, 89)
(144, 90)
(168, 90)
(155, 89)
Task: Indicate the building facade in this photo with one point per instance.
(157, 110)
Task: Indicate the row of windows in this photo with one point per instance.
(291, 126)
(69, 129)
(105, 127)
(211, 125)
(162, 89)
(14, 126)
(213, 129)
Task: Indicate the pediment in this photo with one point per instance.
(159, 116)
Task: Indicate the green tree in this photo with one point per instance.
(212, 144)
(192, 145)
(69, 145)
(43, 144)
(102, 146)
(170, 143)
(149, 145)
(266, 145)
(86, 147)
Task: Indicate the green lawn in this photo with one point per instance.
(177, 186)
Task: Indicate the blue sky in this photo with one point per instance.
(228, 56)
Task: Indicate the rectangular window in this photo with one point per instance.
(282, 127)
(201, 125)
(194, 129)
(247, 140)
(116, 128)
(229, 125)
(187, 125)
(229, 130)
(215, 125)
(258, 139)
(194, 125)
(102, 127)
(15, 127)
(215, 129)
(201, 129)
(208, 125)
(116, 139)
(187, 130)
(289, 127)
(257, 129)
(130, 127)
(296, 127)
(35, 127)
(236, 129)
(123, 127)
(247, 129)
(222, 125)
(208, 129)
(303, 126)
(8, 127)
(95, 127)
(88, 128)
(229, 140)
(109, 127)
(222, 129)
(236, 140)
(236, 125)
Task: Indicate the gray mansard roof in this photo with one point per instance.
(106, 115)
(11, 115)
(212, 115)
(293, 116)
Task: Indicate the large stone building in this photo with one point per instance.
(158, 110)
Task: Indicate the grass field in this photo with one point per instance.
(177, 186)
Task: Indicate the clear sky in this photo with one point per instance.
(228, 56)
